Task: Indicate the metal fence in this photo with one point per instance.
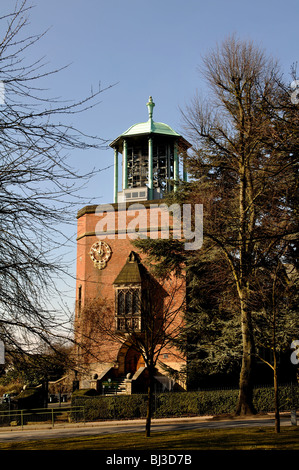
(50, 416)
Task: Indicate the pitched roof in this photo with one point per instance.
(133, 272)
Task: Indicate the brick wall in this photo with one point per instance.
(95, 294)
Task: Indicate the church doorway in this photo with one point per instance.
(133, 361)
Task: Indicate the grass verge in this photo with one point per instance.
(257, 438)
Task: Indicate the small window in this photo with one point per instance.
(79, 299)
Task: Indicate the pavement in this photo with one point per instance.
(113, 426)
(87, 424)
(147, 459)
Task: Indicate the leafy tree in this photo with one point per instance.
(35, 369)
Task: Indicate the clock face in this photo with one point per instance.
(100, 253)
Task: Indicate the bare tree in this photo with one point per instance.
(243, 169)
(275, 316)
(244, 162)
(156, 324)
(38, 189)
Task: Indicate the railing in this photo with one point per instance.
(42, 415)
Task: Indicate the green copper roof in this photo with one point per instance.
(148, 127)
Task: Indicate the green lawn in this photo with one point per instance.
(257, 438)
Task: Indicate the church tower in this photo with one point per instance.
(150, 160)
(114, 287)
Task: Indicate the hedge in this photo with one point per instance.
(29, 398)
(111, 407)
(171, 404)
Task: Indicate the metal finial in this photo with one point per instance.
(150, 106)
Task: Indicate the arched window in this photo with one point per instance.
(120, 302)
(136, 302)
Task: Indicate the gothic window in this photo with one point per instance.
(128, 308)
(120, 302)
(79, 301)
(128, 302)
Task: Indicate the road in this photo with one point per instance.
(89, 429)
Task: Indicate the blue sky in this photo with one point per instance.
(145, 48)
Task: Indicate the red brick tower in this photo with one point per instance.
(114, 284)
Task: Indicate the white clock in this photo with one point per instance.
(100, 253)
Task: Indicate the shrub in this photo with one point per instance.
(263, 398)
(30, 398)
(171, 404)
(111, 407)
(85, 392)
(11, 388)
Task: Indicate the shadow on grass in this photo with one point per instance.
(213, 439)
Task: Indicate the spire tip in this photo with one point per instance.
(150, 106)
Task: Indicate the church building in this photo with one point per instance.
(124, 316)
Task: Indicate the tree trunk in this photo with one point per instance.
(245, 400)
(149, 405)
(245, 403)
(276, 396)
(275, 366)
